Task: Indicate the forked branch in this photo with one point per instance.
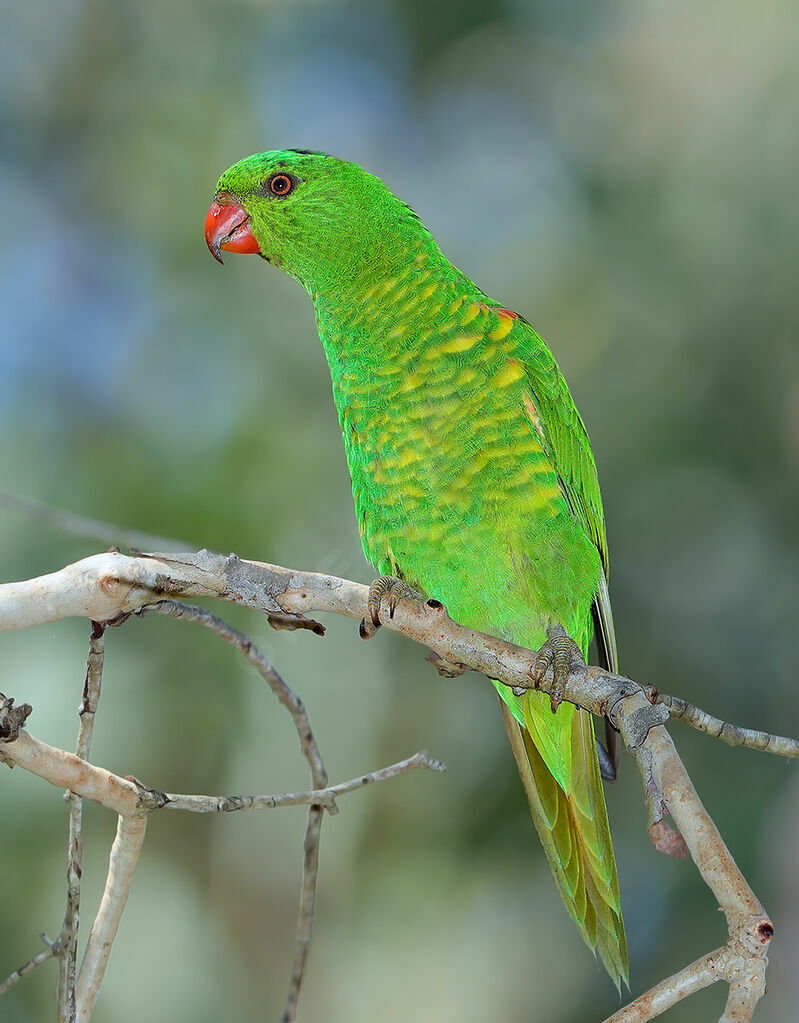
(133, 802)
(108, 585)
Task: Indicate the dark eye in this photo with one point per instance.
(280, 185)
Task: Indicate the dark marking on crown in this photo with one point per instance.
(307, 152)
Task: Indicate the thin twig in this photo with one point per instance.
(263, 666)
(91, 690)
(122, 794)
(90, 529)
(132, 801)
(321, 797)
(48, 952)
(310, 749)
(68, 939)
(302, 944)
(128, 797)
(733, 735)
(310, 872)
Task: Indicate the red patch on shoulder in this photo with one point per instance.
(508, 312)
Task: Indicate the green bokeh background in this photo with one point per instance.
(622, 173)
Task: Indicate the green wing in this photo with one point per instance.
(562, 433)
(564, 438)
(571, 820)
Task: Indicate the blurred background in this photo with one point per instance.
(625, 175)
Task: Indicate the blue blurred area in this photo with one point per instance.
(624, 174)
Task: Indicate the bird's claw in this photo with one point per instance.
(391, 589)
(560, 653)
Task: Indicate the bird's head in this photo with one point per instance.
(321, 219)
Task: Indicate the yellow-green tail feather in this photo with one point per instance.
(574, 831)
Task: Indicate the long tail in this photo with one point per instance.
(573, 828)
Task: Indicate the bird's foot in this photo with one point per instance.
(391, 589)
(560, 653)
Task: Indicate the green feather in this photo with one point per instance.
(472, 472)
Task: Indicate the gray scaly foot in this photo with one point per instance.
(386, 587)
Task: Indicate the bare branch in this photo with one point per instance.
(66, 771)
(128, 797)
(12, 718)
(108, 585)
(68, 939)
(311, 869)
(121, 868)
(733, 735)
(91, 690)
(302, 944)
(742, 961)
(310, 749)
(743, 998)
(688, 981)
(105, 586)
(264, 667)
(48, 952)
(132, 801)
(321, 797)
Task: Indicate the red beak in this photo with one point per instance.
(227, 226)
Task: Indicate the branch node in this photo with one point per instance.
(668, 841)
(291, 623)
(117, 620)
(12, 718)
(641, 721)
(754, 938)
(148, 799)
(764, 931)
(446, 667)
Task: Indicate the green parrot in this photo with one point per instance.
(472, 472)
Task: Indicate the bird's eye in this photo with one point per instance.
(280, 185)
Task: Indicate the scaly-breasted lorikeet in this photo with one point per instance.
(472, 472)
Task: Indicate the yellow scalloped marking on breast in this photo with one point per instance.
(408, 457)
(511, 371)
(462, 343)
(472, 310)
(505, 325)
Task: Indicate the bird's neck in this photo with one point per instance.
(388, 303)
(370, 256)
